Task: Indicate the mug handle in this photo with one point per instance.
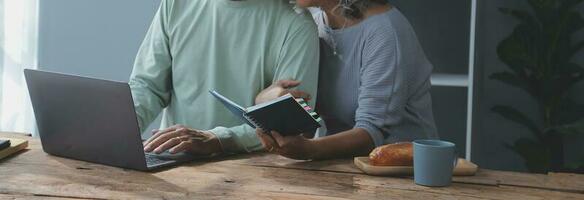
(455, 162)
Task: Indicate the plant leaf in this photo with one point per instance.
(572, 69)
(564, 77)
(516, 116)
(543, 9)
(574, 22)
(570, 111)
(521, 15)
(518, 50)
(508, 78)
(536, 155)
(576, 48)
(571, 129)
(540, 5)
(514, 80)
(570, 3)
(576, 165)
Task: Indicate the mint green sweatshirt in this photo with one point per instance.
(235, 47)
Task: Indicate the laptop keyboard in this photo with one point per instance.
(152, 160)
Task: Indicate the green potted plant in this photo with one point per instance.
(539, 55)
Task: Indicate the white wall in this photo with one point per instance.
(93, 37)
(97, 38)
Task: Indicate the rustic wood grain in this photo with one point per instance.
(553, 181)
(35, 175)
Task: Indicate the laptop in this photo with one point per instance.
(91, 120)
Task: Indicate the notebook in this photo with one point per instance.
(16, 145)
(286, 115)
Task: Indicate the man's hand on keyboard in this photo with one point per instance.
(179, 138)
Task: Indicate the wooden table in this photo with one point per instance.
(33, 174)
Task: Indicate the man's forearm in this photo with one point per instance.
(237, 139)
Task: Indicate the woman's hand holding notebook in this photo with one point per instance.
(286, 114)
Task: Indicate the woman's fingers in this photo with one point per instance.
(287, 83)
(281, 141)
(262, 140)
(267, 140)
(300, 94)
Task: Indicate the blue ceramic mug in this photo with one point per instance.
(434, 161)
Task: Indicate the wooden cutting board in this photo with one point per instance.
(16, 145)
(463, 168)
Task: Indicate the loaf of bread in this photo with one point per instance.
(398, 154)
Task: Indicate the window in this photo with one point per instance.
(18, 42)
